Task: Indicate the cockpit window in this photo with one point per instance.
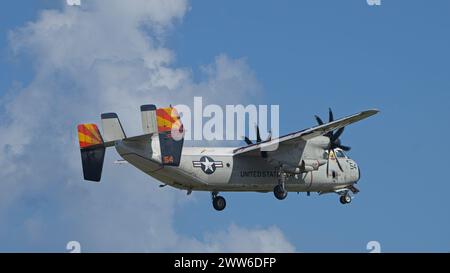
(340, 154)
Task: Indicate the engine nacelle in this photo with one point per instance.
(311, 164)
(307, 165)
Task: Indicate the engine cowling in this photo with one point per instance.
(307, 165)
(312, 164)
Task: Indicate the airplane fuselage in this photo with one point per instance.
(216, 169)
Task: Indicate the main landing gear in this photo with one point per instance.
(219, 202)
(280, 191)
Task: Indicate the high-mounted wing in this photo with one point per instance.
(304, 135)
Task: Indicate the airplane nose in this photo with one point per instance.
(359, 174)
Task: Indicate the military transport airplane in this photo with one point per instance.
(311, 160)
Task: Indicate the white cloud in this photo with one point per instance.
(104, 57)
(238, 239)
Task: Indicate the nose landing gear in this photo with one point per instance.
(345, 199)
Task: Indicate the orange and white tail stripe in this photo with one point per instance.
(168, 119)
(89, 135)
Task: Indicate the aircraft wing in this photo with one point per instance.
(303, 135)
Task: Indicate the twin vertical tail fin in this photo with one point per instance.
(93, 144)
(162, 121)
(149, 121)
(92, 151)
(112, 129)
(167, 123)
(171, 135)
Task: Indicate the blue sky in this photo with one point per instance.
(306, 56)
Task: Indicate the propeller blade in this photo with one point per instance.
(330, 136)
(345, 148)
(339, 164)
(338, 134)
(258, 136)
(319, 120)
(334, 140)
(328, 163)
(248, 141)
(330, 115)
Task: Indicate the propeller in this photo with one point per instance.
(258, 140)
(335, 142)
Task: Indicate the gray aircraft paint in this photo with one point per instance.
(239, 173)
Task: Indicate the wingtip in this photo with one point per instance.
(373, 111)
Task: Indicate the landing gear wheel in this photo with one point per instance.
(219, 203)
(345, 199)
(279, 192)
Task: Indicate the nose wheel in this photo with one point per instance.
(219, 202)
(345, 199)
